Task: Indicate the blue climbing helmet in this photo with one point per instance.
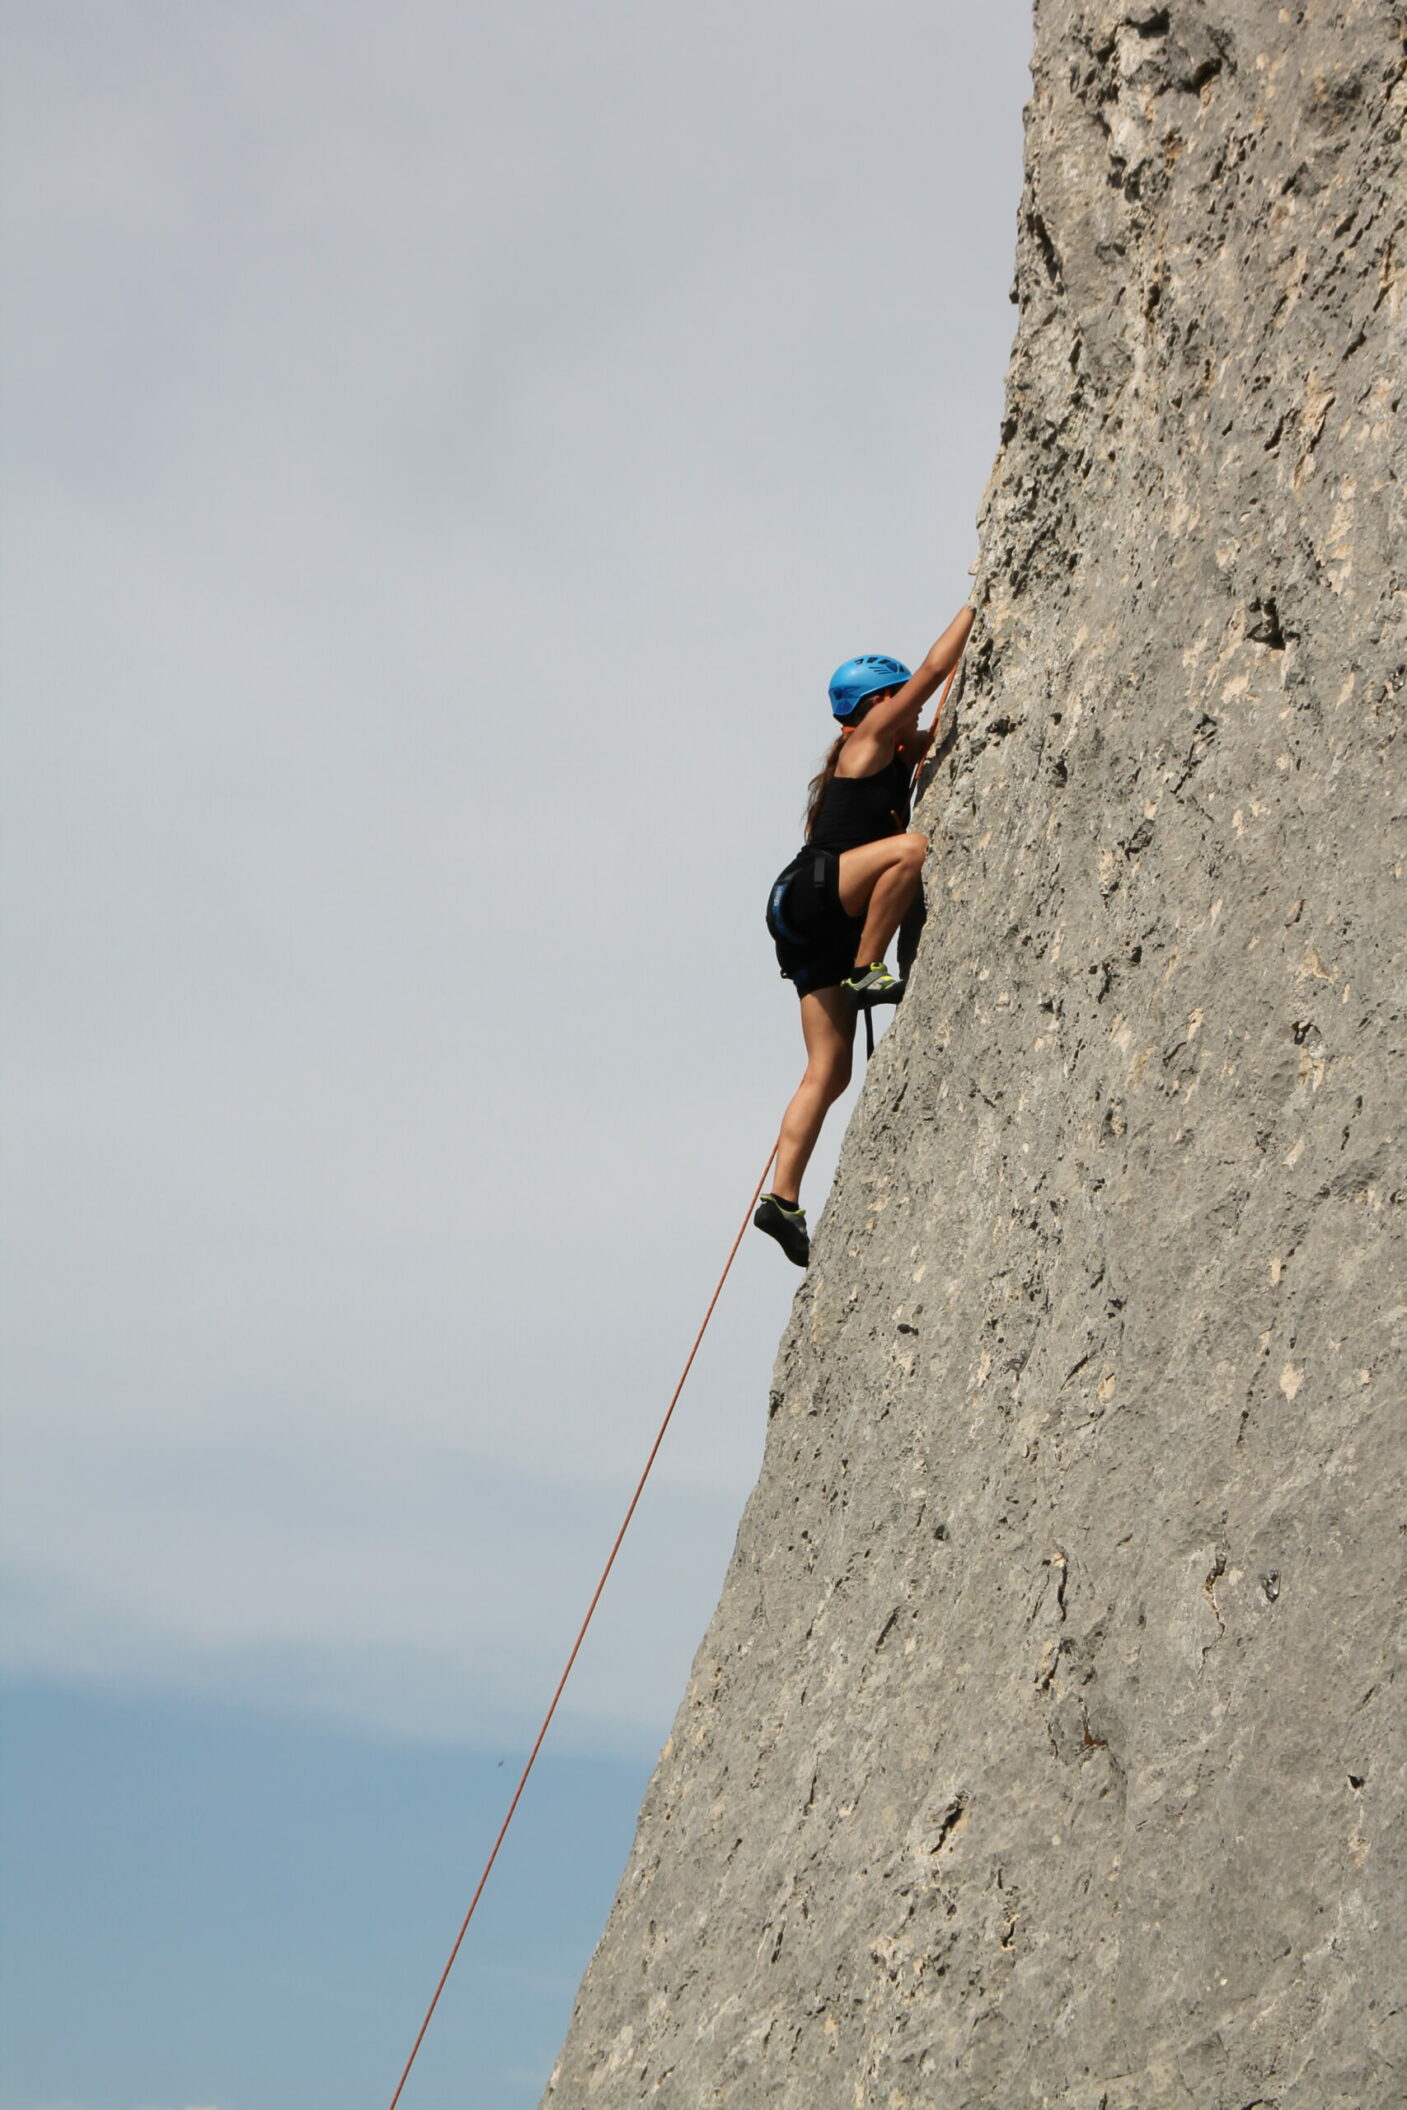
(859, 678)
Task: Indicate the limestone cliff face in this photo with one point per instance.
(1042, 1749)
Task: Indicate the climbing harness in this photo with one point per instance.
(581, 1632)
(777, 922)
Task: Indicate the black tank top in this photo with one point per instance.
(859, 810)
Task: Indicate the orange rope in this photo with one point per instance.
(581, 1635)
(927, 754)
(615, 1549)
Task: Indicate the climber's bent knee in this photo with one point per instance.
(863, 869)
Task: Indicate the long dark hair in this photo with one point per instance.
(821, 783)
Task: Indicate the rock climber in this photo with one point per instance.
(834, 910)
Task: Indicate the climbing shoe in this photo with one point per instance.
(873, 985)
(785, 1222)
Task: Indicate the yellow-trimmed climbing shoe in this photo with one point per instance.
(873, 985)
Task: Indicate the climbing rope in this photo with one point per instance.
(581, 1633)
(927, 755)
(620, 1535)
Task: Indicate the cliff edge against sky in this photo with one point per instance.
(1045, 1747)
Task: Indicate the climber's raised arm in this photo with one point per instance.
(896, 717)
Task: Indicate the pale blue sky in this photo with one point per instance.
(447, 450)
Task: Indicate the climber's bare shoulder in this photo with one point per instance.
(864, 756)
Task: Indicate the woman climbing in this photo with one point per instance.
(836, 907)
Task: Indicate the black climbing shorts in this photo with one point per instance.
(814, 937)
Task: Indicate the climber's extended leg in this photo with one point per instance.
(878, 881)
(828, 1023)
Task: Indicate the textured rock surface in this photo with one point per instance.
(1042, 1749)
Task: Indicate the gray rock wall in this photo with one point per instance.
(1045, 1747)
